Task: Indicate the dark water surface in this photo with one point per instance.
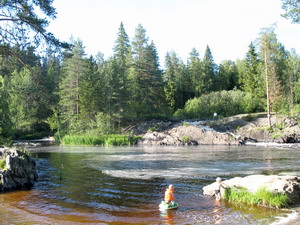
(124, 185)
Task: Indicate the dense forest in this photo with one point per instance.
(69, 92)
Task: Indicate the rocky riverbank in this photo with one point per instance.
(17, 170)
(284, 185)
(240, 129)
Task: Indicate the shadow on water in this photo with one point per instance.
(97, 185)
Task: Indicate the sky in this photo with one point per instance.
(226, 26)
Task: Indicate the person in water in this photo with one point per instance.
(218, 188)
(169, 195)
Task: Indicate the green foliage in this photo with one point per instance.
(261, 197)
(3, 164)
(276, 135)
(154, 128)
(5, 119)
(24, 22)
(75, 94)
(88, 139)
(292, 10)
(206, 105)
(185, 139)
(104, 124)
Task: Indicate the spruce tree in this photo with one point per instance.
(74, 68)
(145, 77)
(177, 83)
(209, 72)
(227, 78)
(194, 68)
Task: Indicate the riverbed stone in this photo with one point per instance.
(278, 184)
(19, 170)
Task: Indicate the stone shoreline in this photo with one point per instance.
(236, 130)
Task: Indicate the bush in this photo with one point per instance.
(185, 139)
(225, 103)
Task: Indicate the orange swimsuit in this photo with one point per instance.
(169, 196)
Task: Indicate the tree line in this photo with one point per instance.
(72, 93)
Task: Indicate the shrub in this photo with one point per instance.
(225, 103)
(185, 139)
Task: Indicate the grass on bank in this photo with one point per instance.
(108, 140)
(261, 197)
(3, 164)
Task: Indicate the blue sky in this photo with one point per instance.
(227, 26)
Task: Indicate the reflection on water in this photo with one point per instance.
(98, 185)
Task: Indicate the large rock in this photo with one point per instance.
(18, 171)
(278, 184)
(189, 134)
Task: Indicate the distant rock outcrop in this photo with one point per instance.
(234, 130)
(188, 135)
(17, 170)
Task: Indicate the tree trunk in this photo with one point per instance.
(267, 87)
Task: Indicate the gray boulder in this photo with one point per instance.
(18, 171)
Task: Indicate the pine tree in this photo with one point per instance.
(227, 78)
(25, 22)
(91, 93)
(117, 68)
(122, 45)
(145, 77)
(209, 72)
(195, 71)
(74, 68)
(271, 51)
(250, 78)
(177, 85)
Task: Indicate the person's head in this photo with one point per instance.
(219, 179)
(171, 187)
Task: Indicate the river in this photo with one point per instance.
(124, 185)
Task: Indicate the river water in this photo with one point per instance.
(125, 185)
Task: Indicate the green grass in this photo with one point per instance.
(3, 164)
(185, 139)
(261, 197)
(116, 140)
(276, 135)
(186, 124)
